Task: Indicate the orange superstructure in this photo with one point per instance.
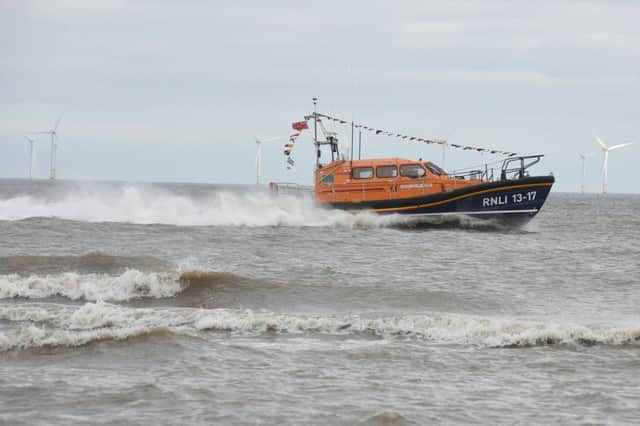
(384, 179)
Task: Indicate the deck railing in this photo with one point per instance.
(512, 168)
(290, 188)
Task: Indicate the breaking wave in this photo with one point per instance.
(152, 205)
(51, 326)
(131, 284)
(141, 205)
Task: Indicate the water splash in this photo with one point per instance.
(143, 205)
(153, 205)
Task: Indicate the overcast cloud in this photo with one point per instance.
(176, 91)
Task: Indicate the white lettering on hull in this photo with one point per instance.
(498, 200)
(502, 200)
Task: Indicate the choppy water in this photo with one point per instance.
(137, 304)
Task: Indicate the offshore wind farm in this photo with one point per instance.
(275, 145)
(53, 148)
(254, 213)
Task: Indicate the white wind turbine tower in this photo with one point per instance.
(583, 157)
(259, 156)
(606, 150)
(54, 146)
(31, 152)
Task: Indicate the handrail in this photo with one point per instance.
(288, 188)
(506, 171)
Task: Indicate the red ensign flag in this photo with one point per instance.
(299, 125)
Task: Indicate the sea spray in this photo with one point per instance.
(142, 205)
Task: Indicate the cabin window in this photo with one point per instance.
(435, 169)
(362, 173)
(328, 179)
(386, 171)
(413, 171)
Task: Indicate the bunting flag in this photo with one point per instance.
(415, 138)
(298, 126)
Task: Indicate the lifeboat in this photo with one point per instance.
(508, 194)
(422, 188)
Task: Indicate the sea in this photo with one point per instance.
(151, 303)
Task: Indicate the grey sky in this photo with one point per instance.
(168, 90)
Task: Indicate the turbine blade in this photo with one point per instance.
(602, 144)
(620, 146)
(57, 123)
(40, 133)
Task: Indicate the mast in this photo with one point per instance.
(351, 155)
(359, 143)
(315, 136)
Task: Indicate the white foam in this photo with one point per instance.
(445, 329)
(68, 326)
(73, 326)
(132, 284)
(141, 205)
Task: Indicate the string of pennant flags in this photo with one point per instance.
(416, 138)
(299, 126)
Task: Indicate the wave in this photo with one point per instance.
(196, 278)
(50, 326)
(131, 284)
(91, 262)
(387, 418)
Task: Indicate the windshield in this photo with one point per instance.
(435, 169)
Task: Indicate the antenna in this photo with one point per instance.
(445, 144)
(351, 154)
(444, 150)
(605, 150)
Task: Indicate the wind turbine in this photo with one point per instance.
(606, 150)
(31, 152)
(259, 155)
(583, 157)
(54, 146)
